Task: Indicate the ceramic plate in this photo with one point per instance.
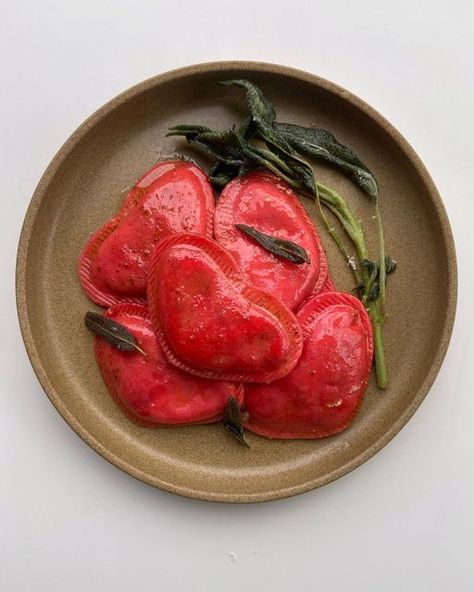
(84, 185)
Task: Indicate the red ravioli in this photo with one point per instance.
(148, 389)
(326, 286)
(266, 203)
(210, 321)
(174, 196)
(321, 396)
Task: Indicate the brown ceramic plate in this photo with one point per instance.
(85, 184)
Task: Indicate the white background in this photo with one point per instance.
(401, 522)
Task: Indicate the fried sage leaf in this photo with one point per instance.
(233, 421)
(235, 155)
(371, 267)
(280, 247)
(114, 333)
(261, 109)
(390, 265)
(374, 293)
(222, 145)
(227, 146)
(221, 173)
(262, 116)
(321, 144)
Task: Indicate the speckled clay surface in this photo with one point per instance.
(85, 184)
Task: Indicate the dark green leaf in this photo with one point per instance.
(390, 265)
(226, 157)
(227, 146)
(371, 267)
(185, 130)
(247, 128)
(114, 333)
(261, 109)
(304, 174)
(219, 144)
(282, 248)
(374, 292)
(372, 286)
(302, 171)
(359, 291)
(263, 116)
(321, 144)
(233, 421)
(220, 173)
(238, 156)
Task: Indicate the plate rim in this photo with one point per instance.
(28, 225)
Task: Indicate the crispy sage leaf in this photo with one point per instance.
(114, 333)
(374, 292)
(321, 144)
(359, 291)
(282, 248)
(221, 173)
(371, 267)
(300, 169)
(371, 291)
(261, 109)
(390, 265)
(233, 421)
(263, 117)
(182, 130)
(247, 128)
(235, 155)
(228, 146)
(219, 144)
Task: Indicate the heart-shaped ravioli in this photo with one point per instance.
(265, 203)
(174, 196)
(321, 396)
(150, 390)
(210, 321)
(326, 286)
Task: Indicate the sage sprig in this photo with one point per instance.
(114, 333)
(280, 247)
(262, 142)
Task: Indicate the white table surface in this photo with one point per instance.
(401, 522)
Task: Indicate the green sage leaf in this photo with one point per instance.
(263, 117)
(114, 333)
(282, 248)
(371, 267)
(374, 292)
(221, 173)
(247, 128)
(359, 291)
(219, 144)
(261, 109)
(390, 265)
(321, 144)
